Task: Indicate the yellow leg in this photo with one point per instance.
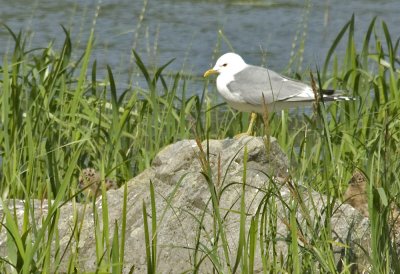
(252, 122)
(249, 131)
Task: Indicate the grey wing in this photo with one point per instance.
(254, 82)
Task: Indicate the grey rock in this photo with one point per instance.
(185, 216)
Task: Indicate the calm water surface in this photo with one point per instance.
(262, 31)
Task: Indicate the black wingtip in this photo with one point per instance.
(328, 91)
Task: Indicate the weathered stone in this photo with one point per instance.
(185, 217)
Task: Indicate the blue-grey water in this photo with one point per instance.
(266, 32)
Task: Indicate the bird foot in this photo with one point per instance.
(241, 135)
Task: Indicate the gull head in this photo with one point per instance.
(229, 63)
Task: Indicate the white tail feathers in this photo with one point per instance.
(338, 98)
(336, 95)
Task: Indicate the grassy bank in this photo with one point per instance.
(57, 118)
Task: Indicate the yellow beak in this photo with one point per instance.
(209, 72)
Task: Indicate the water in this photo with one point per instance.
(262, 31)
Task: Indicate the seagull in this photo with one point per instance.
(249, 88)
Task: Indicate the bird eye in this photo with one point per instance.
(224, 65)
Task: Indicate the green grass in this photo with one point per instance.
(57, 118)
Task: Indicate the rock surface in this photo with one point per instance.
(185, 217)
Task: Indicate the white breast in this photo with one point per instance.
(222, 82)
